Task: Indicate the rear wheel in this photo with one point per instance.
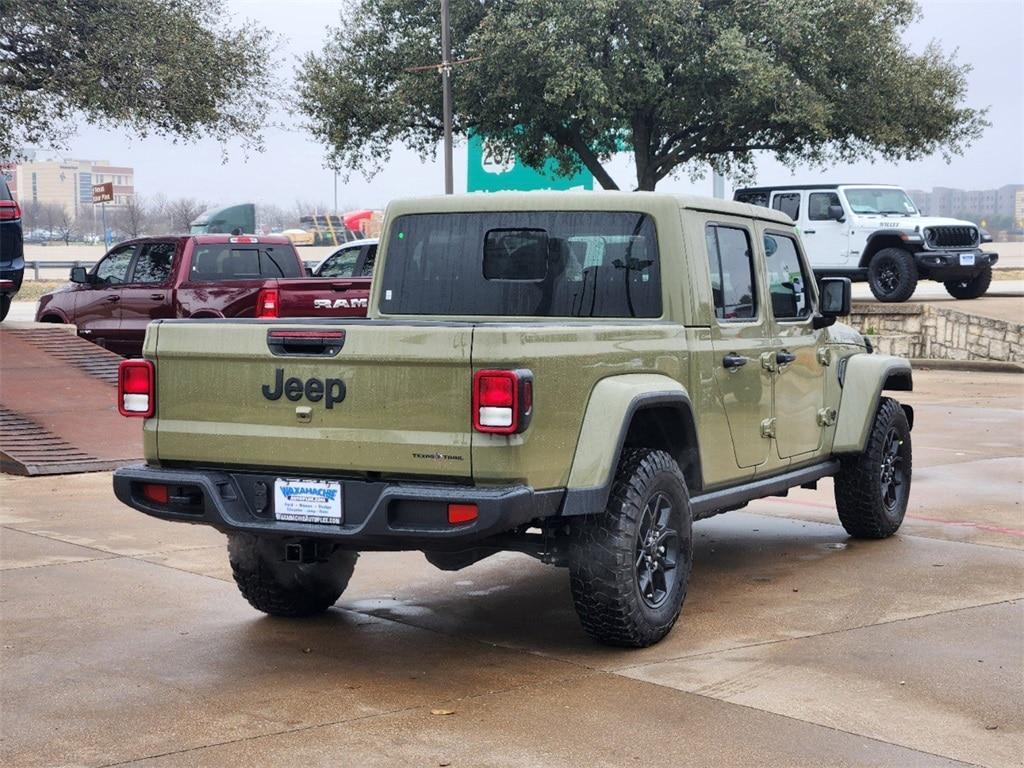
(872, 488)
(281, 588)
(5, 306)
(630, 565)
(970, 289)
(892, 275)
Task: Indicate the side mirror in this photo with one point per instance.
(836, 213)
(79, 275)
(835, 299)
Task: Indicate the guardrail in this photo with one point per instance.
(36, 266)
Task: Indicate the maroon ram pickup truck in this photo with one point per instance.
(155, 278)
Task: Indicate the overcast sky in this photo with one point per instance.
(987, 34)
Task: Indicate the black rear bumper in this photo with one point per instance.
(945, 265)
(375, 514)
(11, 276)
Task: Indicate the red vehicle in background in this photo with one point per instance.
(194, 276)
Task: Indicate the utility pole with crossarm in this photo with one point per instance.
(445, 69)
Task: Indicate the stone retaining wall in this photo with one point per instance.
(928, 331)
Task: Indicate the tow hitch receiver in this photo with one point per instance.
(304, 551)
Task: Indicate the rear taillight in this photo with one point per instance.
(136, 389)
(502, 401)
(268, 303)
(9, 210)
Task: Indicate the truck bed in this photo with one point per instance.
(322, 297)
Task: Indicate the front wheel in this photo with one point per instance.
(892, 275)
(872, 488)
(5, 305)
(281, 588)
(970, 289)
(629, 565)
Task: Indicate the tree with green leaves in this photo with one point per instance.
(168, 67)
(678, 83)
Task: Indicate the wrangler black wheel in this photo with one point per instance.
(872, 488)
(657, 551)
(281, 588)
(972, 288)
(629, 565)
(892, 275)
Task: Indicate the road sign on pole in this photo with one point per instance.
(488, 170)
(103, 193)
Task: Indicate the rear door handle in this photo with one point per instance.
(809, 231)
(156, 296)
(784, 357)
(732, 361)
(112, 298)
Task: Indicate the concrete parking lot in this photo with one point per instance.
(125, 642)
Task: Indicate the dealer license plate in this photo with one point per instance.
(966, 259)
(307, 501)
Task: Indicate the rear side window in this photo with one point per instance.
(752, 197)
(369, 261)
(787, 281)
(731, 264)
(818, 204)
(5, 193)
(523, 264)
(788, 203)
(154, 263)
(226, 261)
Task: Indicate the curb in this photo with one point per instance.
(979, 366)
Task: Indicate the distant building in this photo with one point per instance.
(974, 204)
(69, 182)
(1018, 212)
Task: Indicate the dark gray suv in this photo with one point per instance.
(12, 249)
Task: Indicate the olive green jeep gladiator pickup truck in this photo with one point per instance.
(575, 376)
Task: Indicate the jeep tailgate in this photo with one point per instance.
(394, 400)
(323, 297)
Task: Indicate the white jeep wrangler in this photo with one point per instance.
(876, 233)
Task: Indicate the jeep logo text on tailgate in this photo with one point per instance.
(331, 391)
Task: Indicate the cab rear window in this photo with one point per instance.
(523, 264)
(225, 261)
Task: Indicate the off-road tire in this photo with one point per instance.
(892, 275)
(5, 306)
(604, 575)
(970, 289)
(286, 589)
(859, 488)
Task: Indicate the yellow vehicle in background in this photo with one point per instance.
(300, 236)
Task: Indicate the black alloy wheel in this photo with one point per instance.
(891, 477)
(657, 551)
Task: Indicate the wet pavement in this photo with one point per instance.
(124, 640)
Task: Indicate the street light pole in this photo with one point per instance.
(446, 86)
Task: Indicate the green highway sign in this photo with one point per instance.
(491, 171)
